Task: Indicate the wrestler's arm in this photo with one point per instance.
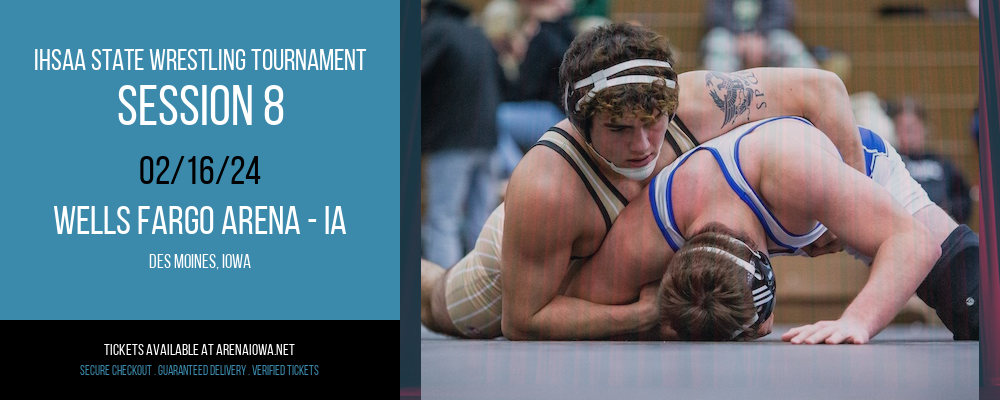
(541, 224)
(812, 183)
(633, 254)
(629, 264)
(816, 95)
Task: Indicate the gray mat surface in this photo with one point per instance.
(902, 362)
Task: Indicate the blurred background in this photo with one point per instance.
(911, 67)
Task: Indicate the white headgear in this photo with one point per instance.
(600, 79)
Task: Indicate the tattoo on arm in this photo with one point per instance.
(734, 93)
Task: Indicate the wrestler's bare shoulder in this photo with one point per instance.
(547, 198)
(544, 172)
(544, 177)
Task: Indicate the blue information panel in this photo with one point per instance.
(219, 176)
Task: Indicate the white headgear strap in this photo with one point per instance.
(600, 79)
(739, 261)
(745, 327)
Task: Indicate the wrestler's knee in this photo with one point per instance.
(952, 286)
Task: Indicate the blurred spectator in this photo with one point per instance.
(836, 61)
(752, 33)
(533, 100)
(502, 21)
(869, 112)
(549, 31)
(974, 8)
(591, 14)
(460, 91)
(942, 181)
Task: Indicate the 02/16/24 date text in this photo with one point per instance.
(203, 171)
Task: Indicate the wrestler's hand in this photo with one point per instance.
(829, 332)
(826, 244)
(648, 300)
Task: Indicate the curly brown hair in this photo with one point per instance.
(606, 46)
(704, 296)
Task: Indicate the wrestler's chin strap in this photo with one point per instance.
(952, 286)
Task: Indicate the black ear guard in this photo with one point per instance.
(760, 279)
(763, 287)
